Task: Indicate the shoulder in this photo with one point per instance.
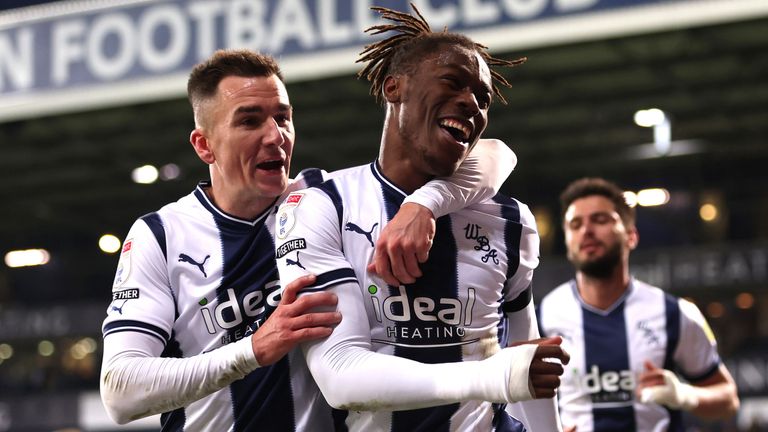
(646, 289)
(506, 207)
(346, 173)
(560, 295)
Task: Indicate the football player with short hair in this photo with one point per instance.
(199, 328)
(430, 355)
(630, 342)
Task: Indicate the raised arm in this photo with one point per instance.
(406, 240)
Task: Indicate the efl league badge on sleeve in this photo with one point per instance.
(285, 217)
(124, 265)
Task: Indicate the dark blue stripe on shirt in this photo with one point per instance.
(672, 312)
(440, 280)
(331, 278)
(513, 229)
(312, 176)
(155, 225)
(173, 421)
(330, 189)
(606, 350)
(249, 266)
(133, 325)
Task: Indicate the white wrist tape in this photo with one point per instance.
(514, 386)
(672, 393)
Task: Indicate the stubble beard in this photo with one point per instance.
(602, 267)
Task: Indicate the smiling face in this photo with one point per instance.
(247, 138)
(443, 109)
(595, 236)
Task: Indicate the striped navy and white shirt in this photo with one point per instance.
(480, 267)
(192, 279)
(196, 278)
(608, 348)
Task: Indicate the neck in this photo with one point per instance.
(243, 207)
(397, 160)
(602, 293)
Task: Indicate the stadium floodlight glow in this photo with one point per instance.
(169, 171)
(708, 212)
(109, 243)
(745, 300)
(631, 198)
(146, 174)
(27, 258)
(6, 351)
(46, 348)
(652, 197)
(649, 117)
(662, 128)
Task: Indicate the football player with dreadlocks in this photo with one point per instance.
(436, 354)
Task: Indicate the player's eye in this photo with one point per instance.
(283, 119)
(601, 218)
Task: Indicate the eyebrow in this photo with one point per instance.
(250, 109)
(466, 70)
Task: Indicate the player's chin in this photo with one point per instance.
(273, 186)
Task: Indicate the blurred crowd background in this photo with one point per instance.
(668, 98)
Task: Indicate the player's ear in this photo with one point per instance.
(633, 237)
(201, 145)
(392, 88)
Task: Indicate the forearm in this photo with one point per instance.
(351, 379)
(350, 375)
(479, 177)
(135, 385)
(718, 401)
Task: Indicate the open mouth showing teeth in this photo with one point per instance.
(457, 130)
(270, 165)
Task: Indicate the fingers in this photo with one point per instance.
(422, 253)
(399, 268)
(307, 303)
(306, 318)
(545, 368)
(552, 340)
(380, 266)
(545, 378)
(552, 352)
(395, 262)
(569, 428)
(403, 244)
(292, 289)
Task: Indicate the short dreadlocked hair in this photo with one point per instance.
(403, 51)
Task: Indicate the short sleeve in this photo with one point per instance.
(521, 279)
(142, 300)
(696, 354)
(308, 240)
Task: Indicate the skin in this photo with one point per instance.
(251, 124)
(245, 134)
(246, 138)
(593, 228)
(453, 84)
(414, 232)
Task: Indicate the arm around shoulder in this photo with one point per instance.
(479, 177)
